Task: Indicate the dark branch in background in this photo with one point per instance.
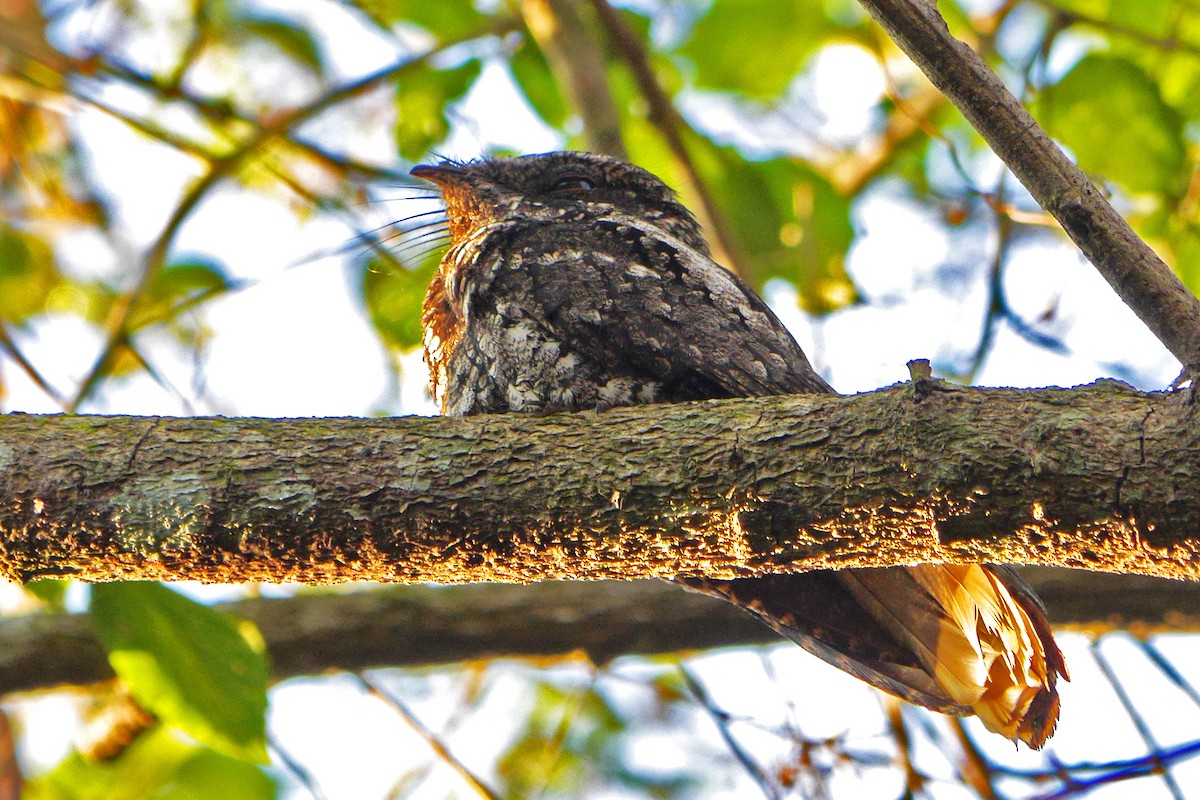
(671, 125)
(996, 302)
(571, 47)
(1139, 276)
(439, 748)
(313, 633)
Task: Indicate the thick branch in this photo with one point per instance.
(1139, 276)
(415, 626)
(1100, 477)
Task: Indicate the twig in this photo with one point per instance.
(572, 48)
(671, 125)
(975, 769)
(429, 736)
(1139, 276)
(914, 781)
(721, 719)
(1157, 765)
(1072, 16)
(10, 347)
(1167, 668)
(996, 304)
(298, 770)
(1115, 771)
(219, 169)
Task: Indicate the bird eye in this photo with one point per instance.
(574, 182)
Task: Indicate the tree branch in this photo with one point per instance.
(571, 46)
(666, 119)
(1099, 477)
(313, 633)
(1139, 276)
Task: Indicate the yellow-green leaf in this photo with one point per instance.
(156, 765)
(197, 669)
(755, 46)
(28, 274)
(1109, 112)
(422, 102)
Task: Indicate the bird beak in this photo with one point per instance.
(442, 174)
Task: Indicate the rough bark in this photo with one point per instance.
(1137, 274)
(419, 626)
(1099, 477)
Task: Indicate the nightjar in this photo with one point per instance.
(575, 281)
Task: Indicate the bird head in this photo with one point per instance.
(556, 187)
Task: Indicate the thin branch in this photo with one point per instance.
(893, 709)
(1139, 276)
(1110, 772)
(572, 49)
(1139, 722)
(218, 170)
(14, 352)
(996, 303)
(1074, 16)
(974, 768)
(291, 764)
(721, 720)
(435, 743)
(664, 116)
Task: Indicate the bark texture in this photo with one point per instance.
(313, 633)
(1099, 477)
(1138, 275)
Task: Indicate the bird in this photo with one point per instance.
(576, 281)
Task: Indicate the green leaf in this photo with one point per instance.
(756, 46)
(1151, 17)
(51, 591)
(180, 285)
(28, 274)
(156, 765)
(197, 669)
(788, 221)
(293, 40)
(445, 19)
(1187, 259)
(394, 295)
(1109, 112)
(422, 100)
(533, 76)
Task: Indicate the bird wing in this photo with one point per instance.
(664, 309)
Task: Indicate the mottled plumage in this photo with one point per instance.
(575, 281)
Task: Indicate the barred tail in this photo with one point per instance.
(960, 639)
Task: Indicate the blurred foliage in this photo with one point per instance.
(577, 738)
(194, 668)
(254, 98)
(158, 764)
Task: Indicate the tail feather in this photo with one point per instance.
(960, 639)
